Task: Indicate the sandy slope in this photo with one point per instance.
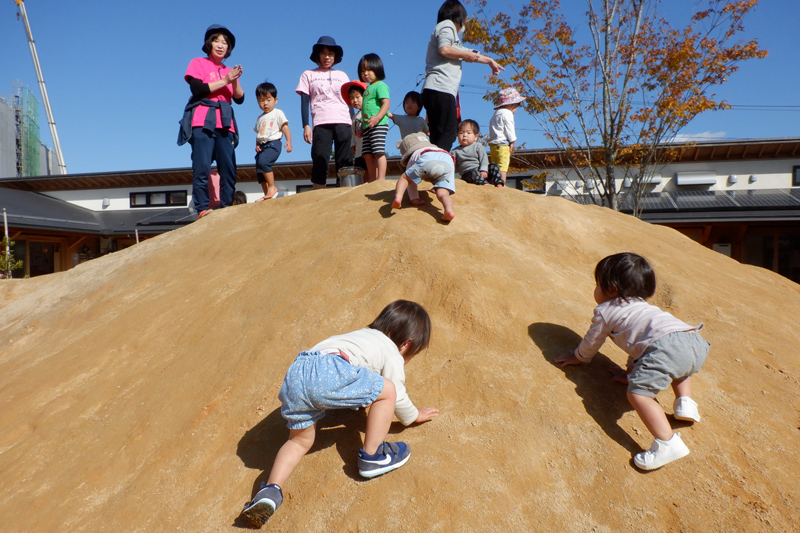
(139, 390)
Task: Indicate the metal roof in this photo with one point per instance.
(35, 211)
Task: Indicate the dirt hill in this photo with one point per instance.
(139, 390)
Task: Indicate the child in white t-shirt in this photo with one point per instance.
(270, 127)
(502, 134)
(364, 368)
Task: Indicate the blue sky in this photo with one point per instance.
(114, 70)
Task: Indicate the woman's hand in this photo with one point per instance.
(495, 66)
(307, 136)
(233, 74)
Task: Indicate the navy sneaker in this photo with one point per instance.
(264, 503)
(390, 456)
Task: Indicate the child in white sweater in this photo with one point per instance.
(662, 351)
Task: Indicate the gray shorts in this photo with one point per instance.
(672, 357)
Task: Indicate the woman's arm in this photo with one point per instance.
(470, 56)
(231, 78)
(304, 102)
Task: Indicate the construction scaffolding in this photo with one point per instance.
(26, 117)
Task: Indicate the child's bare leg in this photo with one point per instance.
(403, 183)
(271, 188)
(264, 184)
(447, 203)
(380, 166)
(300, 441)
(503, 176)
(380, 418)
(682, 387)
(413, 194)
(652, 415)
(370, 161)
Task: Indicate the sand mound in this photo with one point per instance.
(139, 390)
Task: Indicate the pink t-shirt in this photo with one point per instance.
(323, 87)
(207, 71)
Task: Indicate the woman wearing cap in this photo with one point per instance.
(443, 72)
(208, 123)
(320, 89)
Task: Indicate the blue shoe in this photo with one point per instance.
(390, 456)
(264, 503)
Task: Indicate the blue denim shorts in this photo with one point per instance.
(445, 181)
(672, 357)
(315, 383)
(269, 153)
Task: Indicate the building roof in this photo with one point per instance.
(161, 177)
(32, 210)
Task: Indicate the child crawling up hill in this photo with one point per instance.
(424, 161)
(662, 351)
(363, 368)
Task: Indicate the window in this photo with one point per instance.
(795, 176)
(158, 199)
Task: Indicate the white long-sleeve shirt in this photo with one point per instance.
(373, 350)
(632, 325)
(501, 127)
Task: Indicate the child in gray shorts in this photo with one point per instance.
(662, 351)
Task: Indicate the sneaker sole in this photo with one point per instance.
(259, 513)
(683, 453)
(686, 418)
(385, 469)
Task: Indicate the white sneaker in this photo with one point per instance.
(685, 409)
(661, 453)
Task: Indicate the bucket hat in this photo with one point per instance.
(509, 96)
(216, 28)
(346, 88)
(330, 44)
(411, 143)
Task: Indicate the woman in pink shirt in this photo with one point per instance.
(208, 123)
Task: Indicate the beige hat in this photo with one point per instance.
(411, 143)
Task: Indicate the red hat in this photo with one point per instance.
(346, 88)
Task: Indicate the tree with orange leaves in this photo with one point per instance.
(612, 102)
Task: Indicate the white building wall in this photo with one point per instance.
(119, 199)
(748, 175)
